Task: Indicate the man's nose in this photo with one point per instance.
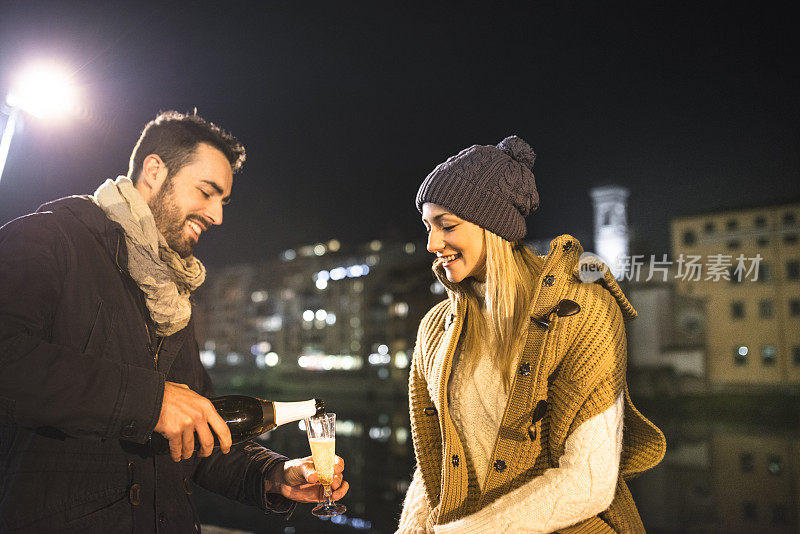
(214, 213)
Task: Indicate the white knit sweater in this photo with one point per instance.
(582, 485)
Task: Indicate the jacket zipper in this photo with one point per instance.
(150, 346)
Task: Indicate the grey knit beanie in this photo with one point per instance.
(491, 186)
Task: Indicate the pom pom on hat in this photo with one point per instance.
(518, 149)
(491, 186)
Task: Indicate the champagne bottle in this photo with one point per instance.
(248, 417)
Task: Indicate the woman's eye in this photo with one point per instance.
(448, 228)
(205, 195)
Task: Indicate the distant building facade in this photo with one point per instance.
(750, 282)
(348, 313)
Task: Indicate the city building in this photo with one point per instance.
(745, 265)
(345, 315)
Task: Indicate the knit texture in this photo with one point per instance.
(577, 367)
(582, 486)
(491, 186)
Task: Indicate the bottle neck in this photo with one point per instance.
(286, 412)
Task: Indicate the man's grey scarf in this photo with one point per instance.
(166, 279)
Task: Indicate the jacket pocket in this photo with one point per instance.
(95, 330)
(94, 510)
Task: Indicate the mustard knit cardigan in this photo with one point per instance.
(567, 374)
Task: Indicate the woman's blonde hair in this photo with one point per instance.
(510, 270)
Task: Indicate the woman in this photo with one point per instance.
(517, 387)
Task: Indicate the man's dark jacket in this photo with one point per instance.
(81, 382)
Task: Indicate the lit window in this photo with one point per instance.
(768, 355)
(740, 355)
(258, 296)
(775, 464)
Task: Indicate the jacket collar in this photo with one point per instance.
(109, 233)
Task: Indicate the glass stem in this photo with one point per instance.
(326, 495)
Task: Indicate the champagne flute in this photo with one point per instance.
(321, 431)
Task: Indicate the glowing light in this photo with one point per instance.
(383, 349)
(379, 359)
(258, 296)
(401, 359)
(410, 248)
(400, 309)
(437, 288)
(44, 90)
(234, 358)
(271, 359)
(289, 255)
(321, 315)
(401, 435)
(743, 351)
(321, 284)
(208, 358)
(338, 273)
(330, 362)
(262, 348)
(330, 319)
(308, 315)
(319, 249)
(375, 246)
(334, 245)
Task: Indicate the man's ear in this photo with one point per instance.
(152, 178)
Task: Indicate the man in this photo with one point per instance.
(99, 358)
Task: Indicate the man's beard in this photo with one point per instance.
(170, 221)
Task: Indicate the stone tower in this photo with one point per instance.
(611, 225)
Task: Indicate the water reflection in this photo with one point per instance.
(723, 477)
(717, 476)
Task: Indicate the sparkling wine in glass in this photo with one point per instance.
(321, 431)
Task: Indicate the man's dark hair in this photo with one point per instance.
(174, 138)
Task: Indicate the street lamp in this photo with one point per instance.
(44, 91)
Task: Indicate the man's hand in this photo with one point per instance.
(297, 480)
(184, 412)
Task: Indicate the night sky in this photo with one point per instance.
(344, 107)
